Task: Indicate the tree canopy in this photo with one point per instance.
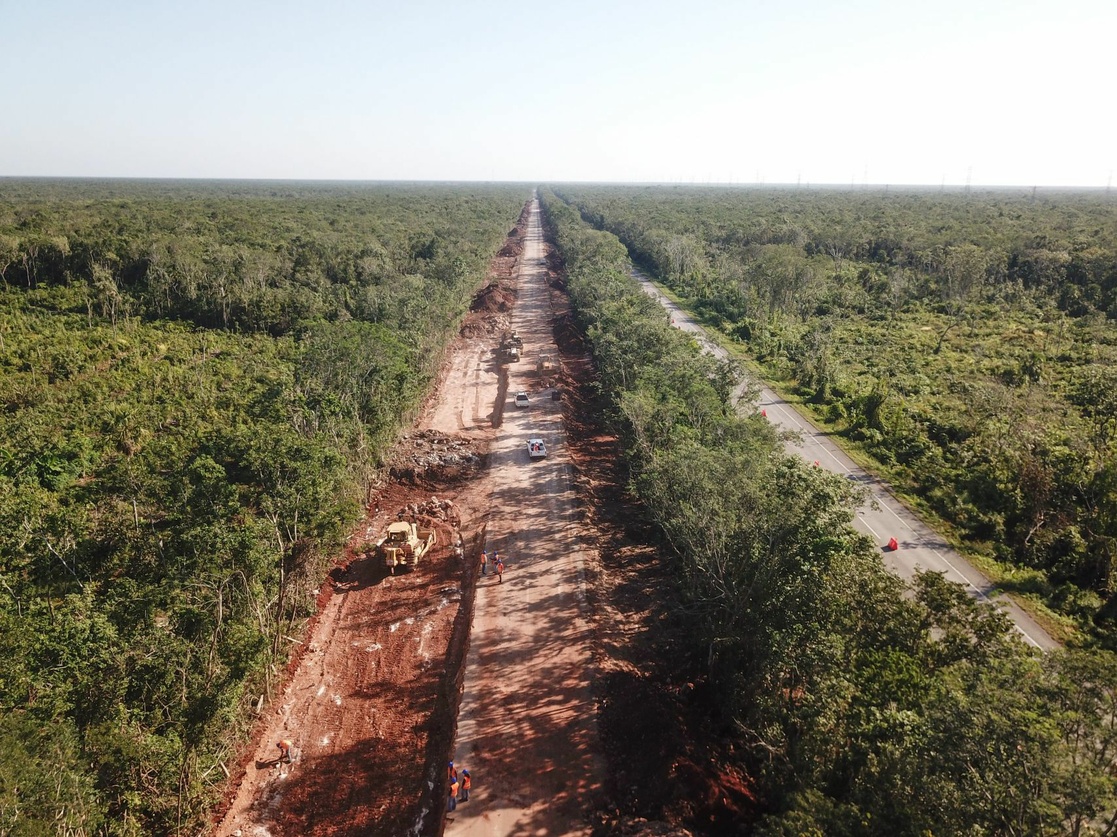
(960, 339)
(858, 707)
(198, 384)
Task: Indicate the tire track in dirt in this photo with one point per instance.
(527, 727)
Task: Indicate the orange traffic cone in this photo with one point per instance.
(764, 413)
(893, 545)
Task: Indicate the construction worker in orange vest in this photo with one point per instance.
(284, 750)
(466, 785)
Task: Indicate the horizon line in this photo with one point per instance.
(539, 181)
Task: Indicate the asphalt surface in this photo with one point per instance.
(920, 548)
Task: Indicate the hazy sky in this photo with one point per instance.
(780, 91)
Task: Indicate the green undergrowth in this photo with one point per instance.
(1030, 587)
(198, 384)
(855, 705)
(963, 343)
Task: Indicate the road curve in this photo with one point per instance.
(920, 548)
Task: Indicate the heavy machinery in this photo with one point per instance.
(511, 346)
(404, 544)
(546, 368)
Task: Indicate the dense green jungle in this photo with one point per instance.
(198, 382)
(965, 341)
(854, 706)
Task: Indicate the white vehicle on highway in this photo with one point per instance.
(536, 449)
(521, 399)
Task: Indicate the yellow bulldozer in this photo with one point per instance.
(511, 347)
(404, 544)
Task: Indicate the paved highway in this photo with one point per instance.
(919, 546)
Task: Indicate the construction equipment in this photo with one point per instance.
(511, 346)
(545, 368)
(404, 544)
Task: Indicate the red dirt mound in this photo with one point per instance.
(493, 298)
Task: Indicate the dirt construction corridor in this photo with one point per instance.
(526, 727)
(369, 704)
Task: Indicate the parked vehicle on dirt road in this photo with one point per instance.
(536, 449)
(521, 399)
(404, 544)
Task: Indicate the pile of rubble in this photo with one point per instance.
(432, 509)
(430, 455)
